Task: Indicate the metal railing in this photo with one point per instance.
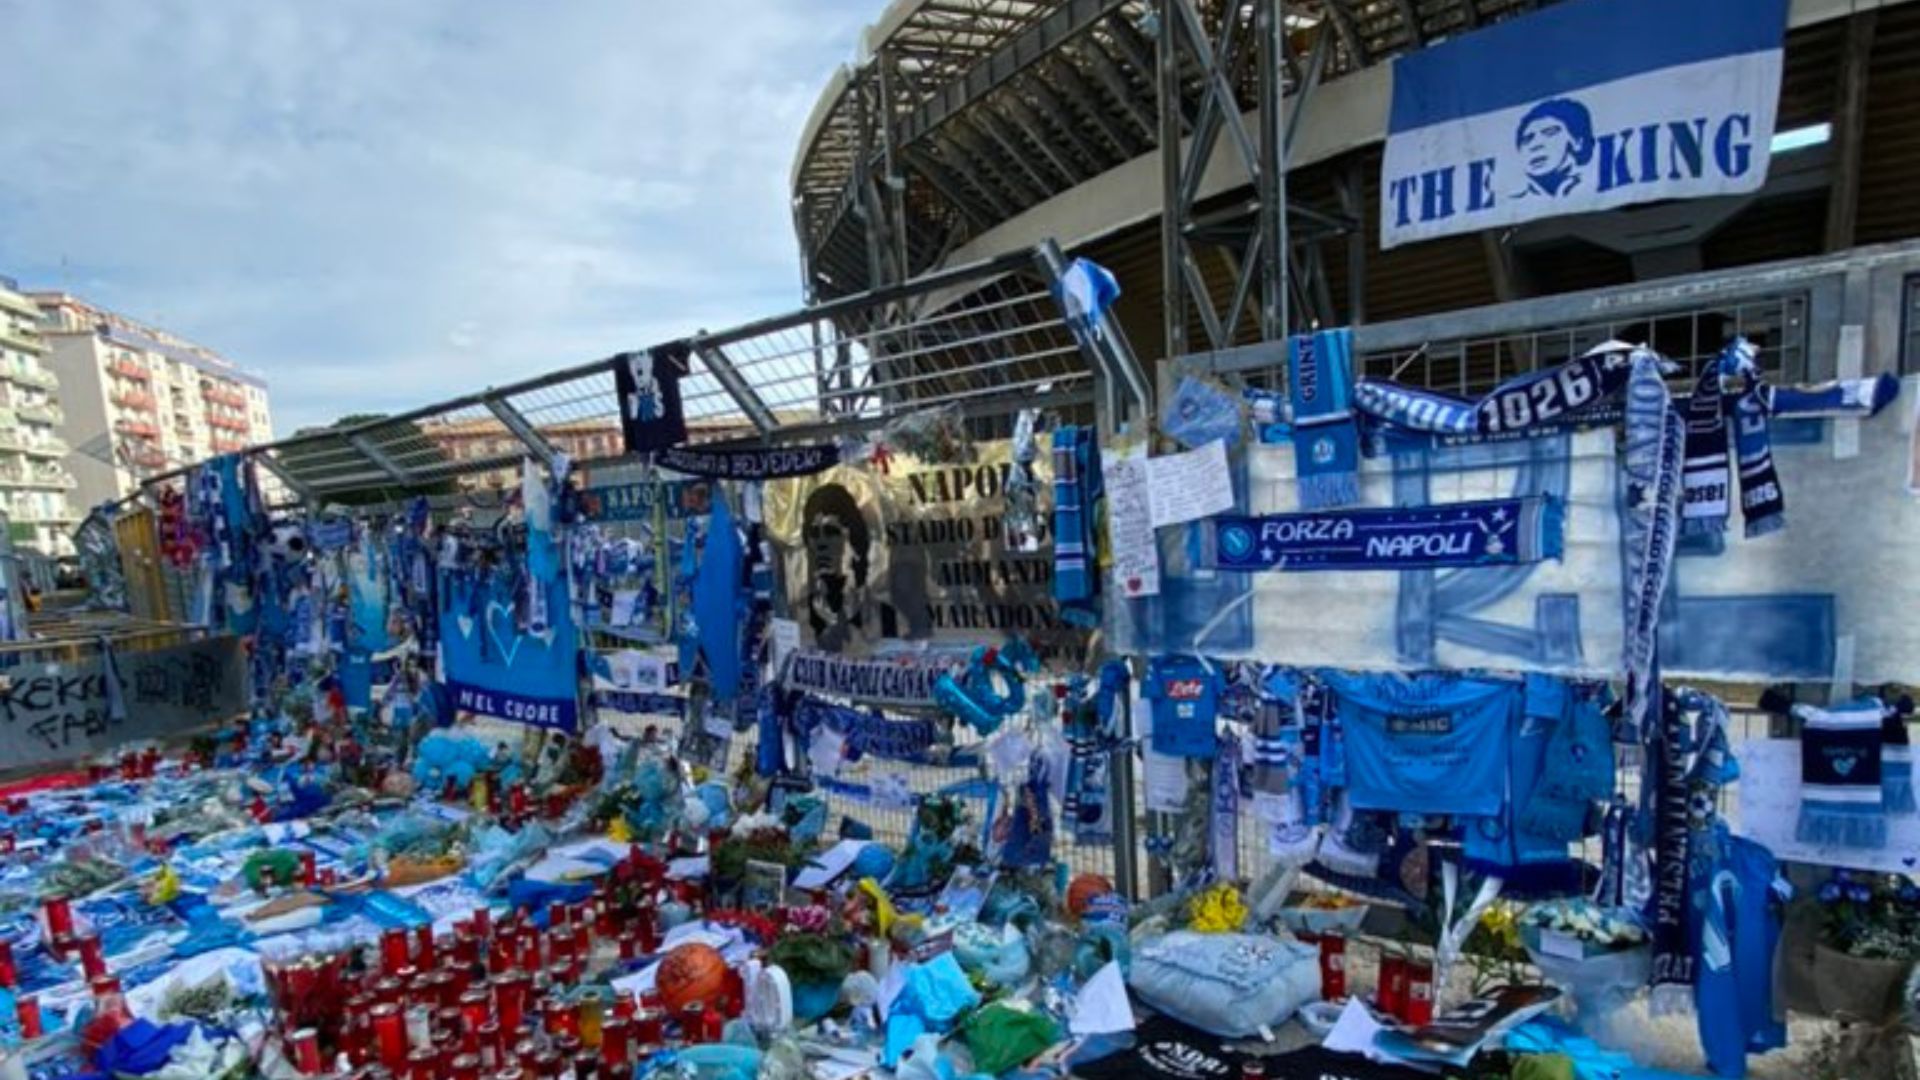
(990, 337)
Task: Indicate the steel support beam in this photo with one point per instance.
(1029, 46)
(1342, 20)
(986, 119)
(1041, 126)
(291, 482)
(1849, 130)
(1410, 15)
(379, 459)
(1075, 86)
(955, 188)
(516, 422)
(1173, 241)
(737, 388)
(1107, 69)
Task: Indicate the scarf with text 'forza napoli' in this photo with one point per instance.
(1842, 801)
(1650, 522)
(771, 463)
(1326, 440)
(1708, 477)
(1520, 403)
(1491, 532)
(649, 388)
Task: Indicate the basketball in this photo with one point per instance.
(692, 973)
(1083, 889)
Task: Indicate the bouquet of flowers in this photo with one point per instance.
(1599, 956)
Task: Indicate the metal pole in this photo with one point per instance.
(1272, 192)
(1172, 211)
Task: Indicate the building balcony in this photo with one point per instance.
(230, 423)
(229, 446)
(220, 395)
(24, 340)
(61, 512)
(16, 476)
(51, 448)
(130, 370)
(136, 400)
(147, 459)
(40, 414)
(38, 379)
(141, 428)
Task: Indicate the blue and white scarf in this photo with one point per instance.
(1762, 504)
(1224, 831)
(1842, 801)
(1326, 440)
(1708, 478)
(1077, 494)
(1491, 532)
(1527, 401)
(1650, 522)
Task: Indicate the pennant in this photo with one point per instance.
(1492, 532)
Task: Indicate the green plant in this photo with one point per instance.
(811, 959)
(1871, 917)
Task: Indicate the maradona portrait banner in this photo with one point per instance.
(1582, 106)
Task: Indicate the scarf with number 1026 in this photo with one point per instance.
(1536, 398)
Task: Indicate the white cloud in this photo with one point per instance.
(376, 204)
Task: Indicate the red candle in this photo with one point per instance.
(393, 950)
(1333, 967)
(482, 921)
(423, 1063)
(304, 1048)
(510, 996)
(629, 944)
(466, 1067)
(93, 956)
(28, 1011)
(649, 1029)
(59, 917)
(613, 1042)
(649, 931)
(423, 947)
(562, 1019)
(307, 875)
(9, 975)
(474, 1007)
(390, 1035)
(489, 1032)
(1391, 996)
(1419, 1008)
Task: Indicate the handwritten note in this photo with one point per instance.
(1136, 559)
(1190, 486)
(1770, 810)
(783, 639)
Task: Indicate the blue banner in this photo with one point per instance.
(1495, 532)
(497, 663)
(635, 501)
(1582, 106)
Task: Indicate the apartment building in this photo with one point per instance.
(35, 487)
(140, 401)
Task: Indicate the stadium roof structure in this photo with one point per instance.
(965, 113)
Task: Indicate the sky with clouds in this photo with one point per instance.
(377, 203)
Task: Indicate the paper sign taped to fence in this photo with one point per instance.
(1190, 486)
(69, 711)
(1130, 546)
(1770, 811)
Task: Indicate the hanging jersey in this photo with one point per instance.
(1429, 744)
(1186, 699)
